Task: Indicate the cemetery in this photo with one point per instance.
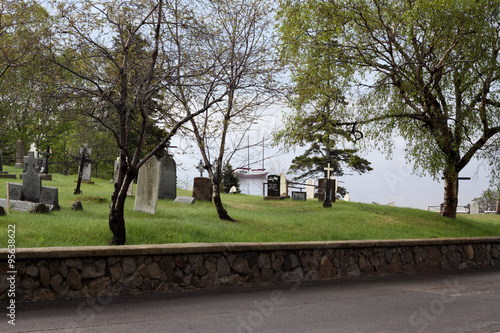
(188, 219)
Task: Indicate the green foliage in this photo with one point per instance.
(488, 200)
(425, 70)
(229, 179)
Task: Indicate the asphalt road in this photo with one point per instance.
(465, 302)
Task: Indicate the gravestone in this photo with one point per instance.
(233, 190)
(1, 165)
(168, 178)
(299, 196)
(347, 197)
(20, 151)
(310, 187)
(202, 189)
(32, 183)
(50, 196)
(184, 200)
(86, 164)
(34, 149)
(15, 191)
(474, 207)
(322, 189)
(273, 186)
(148, 184)
(283, 185)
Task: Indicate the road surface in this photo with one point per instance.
(464, 302)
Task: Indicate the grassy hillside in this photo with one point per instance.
(258, 220)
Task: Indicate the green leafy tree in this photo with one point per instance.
(427, 71)
(488, 200)
(229, 179)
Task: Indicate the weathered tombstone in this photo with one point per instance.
(322, 189)
(15, 191)
(50, 196)
(202, 189)
(32, 183)
(310, 187)
(185, 200)
(86, 164)
(20, 151)
(299, 196)
(273, 186)
(347, 197)
(168, 178)
(233, 190)
(474, 207)
(148, 184)
(283, 185)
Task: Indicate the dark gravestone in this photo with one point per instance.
(32, 183)
(299, 196)
(273, 186)
(168, 178)
(50, 196)
(20, 151)
(322, 189)
(15, 191)
(1, 165)
(202, 189)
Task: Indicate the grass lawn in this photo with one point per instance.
(258, 220)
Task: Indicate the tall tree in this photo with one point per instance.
(126, 56)
(241, 29)
(425, 70)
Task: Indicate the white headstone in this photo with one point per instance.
(283, 185)
(148, 184)
(347, 197)
(336, 186)
(233, 190)
(310, 188)
(34, 149)
(474, 207)
(87, 169)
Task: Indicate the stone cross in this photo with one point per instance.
(328, 169)
(31, 160)
(327, 203)
(200, 168)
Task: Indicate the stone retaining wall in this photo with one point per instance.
(48, 273)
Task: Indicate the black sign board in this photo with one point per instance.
(273, 185)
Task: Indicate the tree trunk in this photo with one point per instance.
(116, 214)
(498, 207)
(223, 215)
(450, 194)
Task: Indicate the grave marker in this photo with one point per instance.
(202, 189)
(20, 151)
(273, 186)
(168, 178)
(32, 183)
(299, 196)
(283, 185)
(474, 207)
(310, 187)
(148, 184)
